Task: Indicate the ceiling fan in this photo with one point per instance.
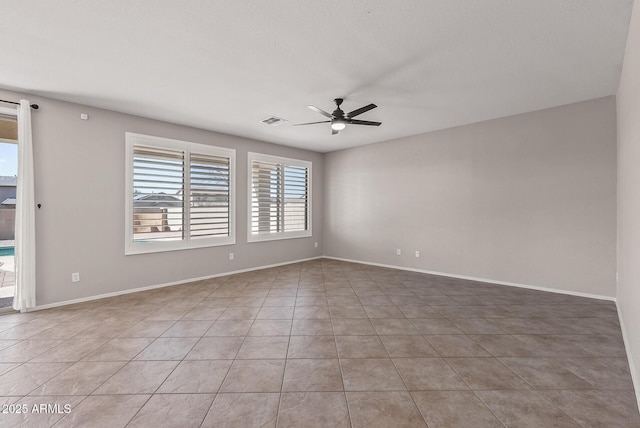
(339, 120)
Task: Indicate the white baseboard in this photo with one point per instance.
(627, 348)
(489, 281)
(166, 284)
(184, 281)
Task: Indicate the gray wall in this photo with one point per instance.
(7, 224)
(80, 182)
(526, 199)
(628, 100)
(7, 213)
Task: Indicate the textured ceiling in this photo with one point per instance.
(225, 65)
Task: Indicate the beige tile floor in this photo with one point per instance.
(323, 343)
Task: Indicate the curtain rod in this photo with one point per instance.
(33, 106)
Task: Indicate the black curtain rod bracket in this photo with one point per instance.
(33, 106)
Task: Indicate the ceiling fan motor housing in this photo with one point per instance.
(338, 113)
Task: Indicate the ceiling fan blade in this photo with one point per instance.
(311, 123)
(361, 110)
(322, 112)
(333, 131)
(364, 122)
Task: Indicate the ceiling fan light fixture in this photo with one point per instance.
(338, 125)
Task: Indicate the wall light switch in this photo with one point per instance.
(230, 256)
(84, 116)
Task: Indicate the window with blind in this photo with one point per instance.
(179, 195)
(279, 198)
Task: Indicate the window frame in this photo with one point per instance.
(257, 237)
(187, 242)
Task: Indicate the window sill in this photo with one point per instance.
(154, 248)
(278, 236)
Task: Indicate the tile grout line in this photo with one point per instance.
(344, 388)
(286, 356)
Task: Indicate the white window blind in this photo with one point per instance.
(296, 198)
(179, 194)
(210, 195)
(158, 186)
(280, 204)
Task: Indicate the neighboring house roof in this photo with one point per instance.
(9, 201)
(8, 181)
(156, 200)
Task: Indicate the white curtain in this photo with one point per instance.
(25, 248)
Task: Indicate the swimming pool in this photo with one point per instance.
(6, 251)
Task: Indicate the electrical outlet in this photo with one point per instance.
(230, 256)
(315, 244)
(398, 252)
(75, 277)
(417, 254)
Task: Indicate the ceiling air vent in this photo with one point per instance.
(274, 121)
